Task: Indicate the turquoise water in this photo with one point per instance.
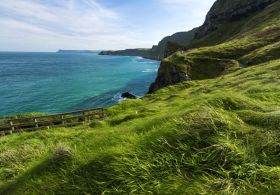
(60, 82)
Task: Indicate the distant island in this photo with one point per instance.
(77, 51)
(142, 52)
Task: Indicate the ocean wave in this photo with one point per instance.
(150, 70)
(118, 97)
(146, 62)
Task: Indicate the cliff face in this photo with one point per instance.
(166, 46)
(182, 67)
(228, 11)
(235, 34)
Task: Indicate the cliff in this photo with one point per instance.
(164, 48)
(230, 38)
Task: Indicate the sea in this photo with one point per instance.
(63, 82)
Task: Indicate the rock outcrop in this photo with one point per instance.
(128, 95)
(180, 67)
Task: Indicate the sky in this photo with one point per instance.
(49, 25)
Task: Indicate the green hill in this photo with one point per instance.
(214, 132)
(251, 39)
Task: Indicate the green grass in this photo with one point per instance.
(250, 41)
(200, 137)
(214, 136)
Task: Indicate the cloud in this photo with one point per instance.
(190, 12)
(26, 8)
(196, 10)
(187, 3)
(73, 17)
(70, 23)
(88, 24)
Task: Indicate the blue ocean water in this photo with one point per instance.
(61, 82)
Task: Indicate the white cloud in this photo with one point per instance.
(184, 3)
(71, 17)
(71, 24)
(184, 14)
(194, 9)
(27, 8)
(86, 24)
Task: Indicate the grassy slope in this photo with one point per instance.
(250, 41)
(212, 136)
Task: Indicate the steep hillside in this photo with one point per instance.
(218, 136)
(229, 11)
(247, 41)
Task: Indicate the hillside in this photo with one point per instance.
(181, 39)
(211, 125)
(212, 136)
(224, 11)
(251, 39)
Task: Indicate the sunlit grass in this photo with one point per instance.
(211, 136)
(214, 136)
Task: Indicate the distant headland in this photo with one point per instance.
(77, 51)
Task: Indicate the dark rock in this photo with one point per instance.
(179, 67)
(168, 74)
(128, 95)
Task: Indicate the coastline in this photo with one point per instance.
(131, 53)
(70, 81)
